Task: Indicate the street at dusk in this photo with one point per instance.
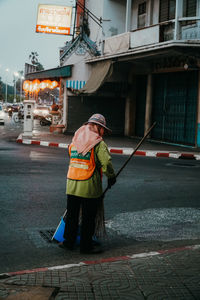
(99, 150)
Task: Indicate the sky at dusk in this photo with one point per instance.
(18, 37)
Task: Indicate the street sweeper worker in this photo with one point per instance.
(89, 158)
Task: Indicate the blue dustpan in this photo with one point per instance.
(58, 234)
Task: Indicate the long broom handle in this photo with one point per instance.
(136, 148)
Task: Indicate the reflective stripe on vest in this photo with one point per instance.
(80, 167)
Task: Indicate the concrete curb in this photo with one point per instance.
(117, 150)
(101, 261)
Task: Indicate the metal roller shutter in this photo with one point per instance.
(174, 107)
(82, 107)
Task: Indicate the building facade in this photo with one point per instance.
(147, 68)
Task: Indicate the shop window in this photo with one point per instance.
(142, 15)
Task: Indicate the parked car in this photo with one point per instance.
(2, 115)
(41, 112)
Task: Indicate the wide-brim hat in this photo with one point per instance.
(100, 120)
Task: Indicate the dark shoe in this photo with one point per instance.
(94, 250)
(66, 246)
(96, 243)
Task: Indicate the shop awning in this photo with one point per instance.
(75, 84)
(100, 72)
(55, 73)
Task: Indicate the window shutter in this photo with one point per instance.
(167, 10)
(189, 8)
(172, 9)
(142, 15)
(164, 8)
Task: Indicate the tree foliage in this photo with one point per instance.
(1, 89)
(10, 91)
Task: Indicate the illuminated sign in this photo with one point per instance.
(54, 19)
(35, 86)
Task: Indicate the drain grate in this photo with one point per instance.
(47, 235)
(41, 237)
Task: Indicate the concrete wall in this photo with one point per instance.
(115, 11)
(80, 70)
(155, 13)
(96, 7)
(113, 14)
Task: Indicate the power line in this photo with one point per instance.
(92, 16)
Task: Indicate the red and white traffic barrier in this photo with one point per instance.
(116, 150)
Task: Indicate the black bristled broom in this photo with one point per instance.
(100, 220)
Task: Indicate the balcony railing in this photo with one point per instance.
(117, 43)
(186, 29)
(190, 28)
(144, 36)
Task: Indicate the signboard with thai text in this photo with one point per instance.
(54, 19)
(29, 69)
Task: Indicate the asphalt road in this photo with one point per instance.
(154, 204)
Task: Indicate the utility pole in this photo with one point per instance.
(7, 70)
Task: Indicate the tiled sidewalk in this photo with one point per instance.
(168, 274)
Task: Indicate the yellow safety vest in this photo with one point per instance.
(80, 167)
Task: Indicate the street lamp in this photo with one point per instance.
(15, 75)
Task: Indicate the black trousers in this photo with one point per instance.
(89, 210)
